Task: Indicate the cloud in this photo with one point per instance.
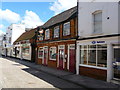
(1, 32)
(1, 26)
(9, 16)
(31, 19)
(61, 5)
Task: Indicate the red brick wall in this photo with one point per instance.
(93, 72)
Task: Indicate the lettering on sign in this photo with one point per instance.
(97, 42)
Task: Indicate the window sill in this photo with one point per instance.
(104, 68)
(96, 33)
(52, 59)
(40, 58)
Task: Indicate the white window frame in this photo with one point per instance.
(50, 55)
(38, 52)
(93, 14)
(56, 28)
(64, 34)
(86, 65)
(47, 36)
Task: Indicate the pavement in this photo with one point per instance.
(83, 81)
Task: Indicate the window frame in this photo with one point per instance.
(50, 54)
(46, 38)
(93, 16)
(97, 64)
(58, 27)
(38, 52)
(67, 29)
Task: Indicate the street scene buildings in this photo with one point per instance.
(83, 40)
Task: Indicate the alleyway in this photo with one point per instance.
(16, 75)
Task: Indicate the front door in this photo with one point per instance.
(45, 55)
(116, 62)
(72, 58)
(61, 57)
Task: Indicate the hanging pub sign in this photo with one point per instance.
(97, 42)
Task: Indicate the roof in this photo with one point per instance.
(26, 35)
(61, 17)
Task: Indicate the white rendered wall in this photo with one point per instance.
(85, 18)
(18, 29)
(119, 18)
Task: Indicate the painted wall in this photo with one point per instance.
(18, 29)
(14, 31)
(85, 18)
(119, 17)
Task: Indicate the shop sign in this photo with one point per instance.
(97, 42)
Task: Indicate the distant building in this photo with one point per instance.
(12, 33)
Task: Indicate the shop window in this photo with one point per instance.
(94, 55)
(102, 55)
(66, 29)
(25, 51)
(56, 32)
(53, 53)
(97, 16)
(83, 54)
(40, 53)
(47, 34)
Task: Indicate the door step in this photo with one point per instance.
(115, 81)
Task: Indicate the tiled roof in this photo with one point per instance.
(61, 17)
(26, 35)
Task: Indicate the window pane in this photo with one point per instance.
(102, 55)
(83, 54)
(92, 55)
(56, 32)
(40, 53)
(66, 29)
(98, 22)
(53, 53)
(47, 34)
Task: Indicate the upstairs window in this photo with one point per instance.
(66, 29)
(47, 34)
(40, 35)
(97, 16)
(56, 32)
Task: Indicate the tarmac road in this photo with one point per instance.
(16, 75)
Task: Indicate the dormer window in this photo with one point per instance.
(47, 34)
(56, 32)
(97, 22)
(66, 29)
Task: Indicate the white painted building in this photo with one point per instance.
(98, 43)
(12, 33)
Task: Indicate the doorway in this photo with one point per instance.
(61, 56)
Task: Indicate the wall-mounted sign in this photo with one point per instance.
(97, 42)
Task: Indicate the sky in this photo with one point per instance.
(31, 12)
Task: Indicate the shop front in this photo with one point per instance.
(99, 58)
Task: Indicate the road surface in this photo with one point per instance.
(16, 75)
